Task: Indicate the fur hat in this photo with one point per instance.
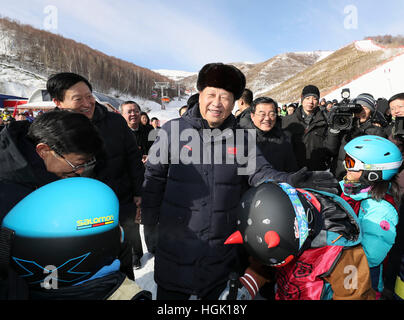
(222, 76)
(310, 90)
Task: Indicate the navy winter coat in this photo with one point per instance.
(194, 203)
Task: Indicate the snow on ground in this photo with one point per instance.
(170, 112)
(367, 46)
(144, 276)
(17, 81)
(384, 81)
(175, 75)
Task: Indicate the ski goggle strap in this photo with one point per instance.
(353, 164)
(301, 222)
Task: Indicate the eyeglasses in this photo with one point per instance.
(86, 165)
(262, 115)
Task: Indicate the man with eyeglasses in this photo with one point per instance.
(120, 167)
(57, 145)
(131, 111)
(271, 140)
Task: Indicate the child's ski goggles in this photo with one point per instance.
(353, 164)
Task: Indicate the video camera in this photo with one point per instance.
(398, 130)
(342, 114)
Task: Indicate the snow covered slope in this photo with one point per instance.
(262, 77)
(383, 82)
(175, 75)
(17, 81)
(338, 69)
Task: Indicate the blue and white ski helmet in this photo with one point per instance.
(378, 157)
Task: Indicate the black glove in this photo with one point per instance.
(318, 180)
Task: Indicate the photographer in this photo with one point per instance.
(352, 124)
(313, 143)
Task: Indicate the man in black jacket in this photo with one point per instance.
(130, 110)
(314, 143)
(244, 104)
(272, 142)
(195, 174)
(121, 167)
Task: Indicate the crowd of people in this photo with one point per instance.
(295, 185)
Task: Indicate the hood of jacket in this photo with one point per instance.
(19, 161)
(337, 223)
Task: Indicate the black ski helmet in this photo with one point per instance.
(274, 222)
(63, 232)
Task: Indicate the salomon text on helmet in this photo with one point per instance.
(379, 158)
(66, 230)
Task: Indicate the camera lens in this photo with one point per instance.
(342, 122)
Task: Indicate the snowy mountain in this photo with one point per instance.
(175, 75)
(39, 54)
(264, 76)
(337, 70)
(25, 65)
(268, 74)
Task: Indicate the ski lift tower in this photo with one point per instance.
(162, 86)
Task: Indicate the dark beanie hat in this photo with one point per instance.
(224, 76)
(310, 90)
(366, 100)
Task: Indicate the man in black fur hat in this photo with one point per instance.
(195, 175)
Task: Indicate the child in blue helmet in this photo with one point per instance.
(370, 187)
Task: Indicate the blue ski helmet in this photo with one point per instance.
(66, 230)
(379, 158)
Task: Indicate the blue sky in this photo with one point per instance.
(184, 35)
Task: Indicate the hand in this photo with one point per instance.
(242, 292)
(318, 180)
(247, 286)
